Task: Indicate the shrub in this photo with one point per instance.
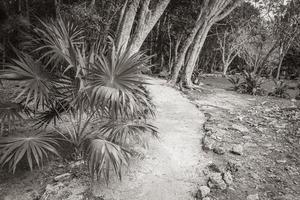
(65, 76)
(280, 89)
(250, 83)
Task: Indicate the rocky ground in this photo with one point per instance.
(255, 145)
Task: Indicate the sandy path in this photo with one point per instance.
(172, 166)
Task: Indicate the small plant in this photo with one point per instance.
(280, 89)
(235, 81)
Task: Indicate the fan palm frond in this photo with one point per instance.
(124, 132)
(59, 41)
(35, 148)
(36, 83)
(77, 132)
(114, 82)
(102, 156)
(52, 114)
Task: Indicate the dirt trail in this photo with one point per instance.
(173, 165)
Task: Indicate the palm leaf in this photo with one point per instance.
(103, 156)
(35, 148)
(52, 113)
(36, 83)
(59, 40)
(77, 132)
(115, 82)
(125, 132)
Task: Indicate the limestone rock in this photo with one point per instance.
(203, 192)
(228, 178)
(240, 128)
(237, 149)
(208, 143)
(219, 150)
(253, 197)
(215, 181)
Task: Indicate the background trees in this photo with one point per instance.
(174, 31)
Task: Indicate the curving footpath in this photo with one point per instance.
(172, 166)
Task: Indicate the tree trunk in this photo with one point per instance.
(218, 10)
(279, 68)
(127, 17)
(211, 12)
(180, 57)
(225, 69)
(146, 21)
(194, 54)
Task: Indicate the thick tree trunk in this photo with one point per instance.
(180, 57)
(146, 21)
(225, 69)
(194, 54)
(126, 23)
(218, 10)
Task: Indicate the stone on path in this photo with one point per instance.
(228, 178)
(253, 197)
(203, 192)
(237, 149)
(216, 182)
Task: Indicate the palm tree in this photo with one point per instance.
(65, 76)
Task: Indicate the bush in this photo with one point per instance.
(249, 84)
(280, 89)
(65, 76)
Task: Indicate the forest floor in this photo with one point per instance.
(241, 147)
